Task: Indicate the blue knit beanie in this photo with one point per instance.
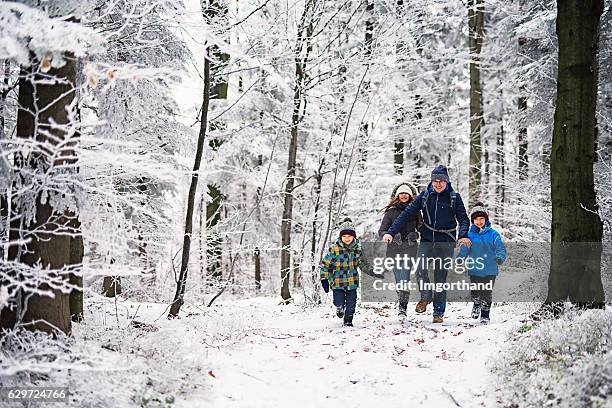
(440, 172)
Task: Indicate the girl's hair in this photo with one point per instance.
(395, 201)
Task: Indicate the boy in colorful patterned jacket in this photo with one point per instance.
(339, 271)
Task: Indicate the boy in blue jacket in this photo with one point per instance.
(488, 252)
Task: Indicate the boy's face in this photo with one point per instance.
(347, 239)
(479, 222)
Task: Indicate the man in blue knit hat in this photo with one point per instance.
(444, 220)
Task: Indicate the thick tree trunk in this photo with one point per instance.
(575, 269)
(476, 36)
(178, 301)
(45, 101)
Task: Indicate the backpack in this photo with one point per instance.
(453, 199)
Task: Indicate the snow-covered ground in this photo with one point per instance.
(255, 353)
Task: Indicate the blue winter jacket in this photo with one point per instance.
(487, 250)
(439, 216)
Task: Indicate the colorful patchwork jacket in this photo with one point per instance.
(340, 265)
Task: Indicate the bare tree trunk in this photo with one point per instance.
(111, 286)
(303, 46)
(77, 251)
(500, 190)
(3, 95)
(288, 197)
(575, 269)
(4, 188)
(523, 144)
(486, 172)
(201, 240)
(182, 280)
(314, 274)
(257, 259)
(398, 155)
(368, 45)
(213, 240)
(418, 114)
(297, 275)
(476, 36)
(216, 9)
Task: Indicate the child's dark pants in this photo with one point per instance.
(346, 299)
(483, 297)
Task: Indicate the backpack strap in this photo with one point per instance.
(424, 199)
(453, 200)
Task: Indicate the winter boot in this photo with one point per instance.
(348, 320)
(485, 320)
(402, 309)
(340, 311)
(476, 311)
(438, 319)
(421, 307)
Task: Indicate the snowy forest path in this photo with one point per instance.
(304, 357)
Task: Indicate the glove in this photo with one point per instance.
(499, 261)
(325, 285)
